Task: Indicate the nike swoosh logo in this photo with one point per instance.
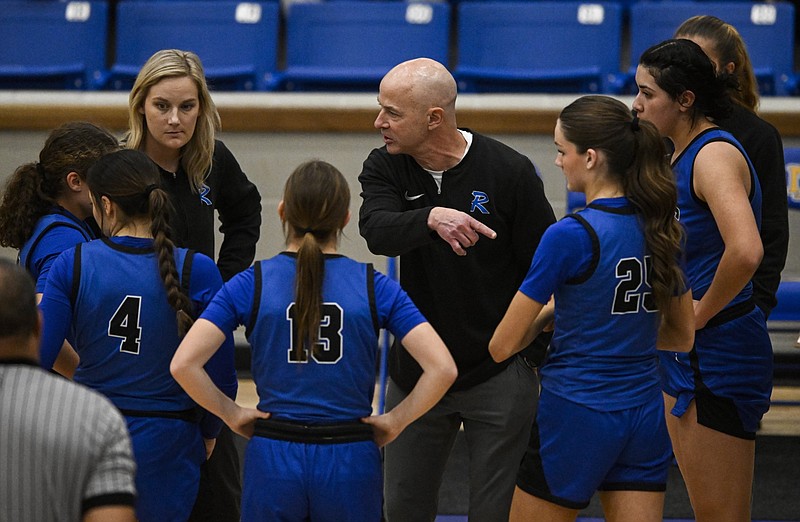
(412, 198)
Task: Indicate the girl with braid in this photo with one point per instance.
(312, 318)
(619, 296)
(127, 300)
(46, 205)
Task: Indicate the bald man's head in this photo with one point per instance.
(429, 82)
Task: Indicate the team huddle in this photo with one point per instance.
(580, 355)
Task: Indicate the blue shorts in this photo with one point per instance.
(728, 374)
(296, 481)
(168, 454)
(575, 451)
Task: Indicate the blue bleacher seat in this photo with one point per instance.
(350, 45)
(236, 41)
(53, 45)
(766, 28)
(786, 314)
(566, 46)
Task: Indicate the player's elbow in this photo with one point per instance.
(498, 350)
(749, 255)
(178, 368)
(448, 373)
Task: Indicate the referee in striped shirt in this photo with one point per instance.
(65, 453)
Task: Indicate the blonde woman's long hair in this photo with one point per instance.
(197, 155)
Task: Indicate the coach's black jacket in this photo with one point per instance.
(228, 191)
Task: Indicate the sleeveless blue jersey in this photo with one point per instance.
(124, 330)
(704, 245)
(336, 381)
(55, 232)
(603, 352)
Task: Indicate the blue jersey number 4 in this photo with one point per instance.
(125, 324)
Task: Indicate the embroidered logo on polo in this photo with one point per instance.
(412, 198)
(204, 190)
(479, 198)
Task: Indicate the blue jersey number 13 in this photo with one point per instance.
(328, 349)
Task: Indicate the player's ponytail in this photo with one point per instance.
(34, 188)
(650, 186)
(131, 180)
(637, 157)
(316, 203)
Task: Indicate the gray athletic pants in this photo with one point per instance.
(497, 416)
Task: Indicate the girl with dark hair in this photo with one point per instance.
(127, 300)
(46, 204)
(312, 319)
(725, 47)
(619, 295)
(717, 393)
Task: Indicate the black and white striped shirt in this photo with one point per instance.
(64, 449)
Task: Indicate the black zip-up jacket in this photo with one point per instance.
(464, 298)
(228, 191)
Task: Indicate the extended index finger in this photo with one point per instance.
(480, 228)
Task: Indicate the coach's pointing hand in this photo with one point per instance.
(457, 228)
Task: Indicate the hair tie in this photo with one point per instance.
(149, 188)
(307, 230)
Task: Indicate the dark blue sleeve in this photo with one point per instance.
(56, 308)
(51, 245)
(564, 252)
(233, 303)
(205, 283)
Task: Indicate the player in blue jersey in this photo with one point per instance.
(719, 391)
(619, 295)
(312, 319)
(761, 141)
(126, 301)
(46, 203)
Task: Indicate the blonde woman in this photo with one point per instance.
(173, 120)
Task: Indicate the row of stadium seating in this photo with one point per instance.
(348, 45)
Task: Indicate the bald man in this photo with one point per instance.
(465, 213)
(65, 453)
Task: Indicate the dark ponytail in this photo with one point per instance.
(637, 157)
(316, 202)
